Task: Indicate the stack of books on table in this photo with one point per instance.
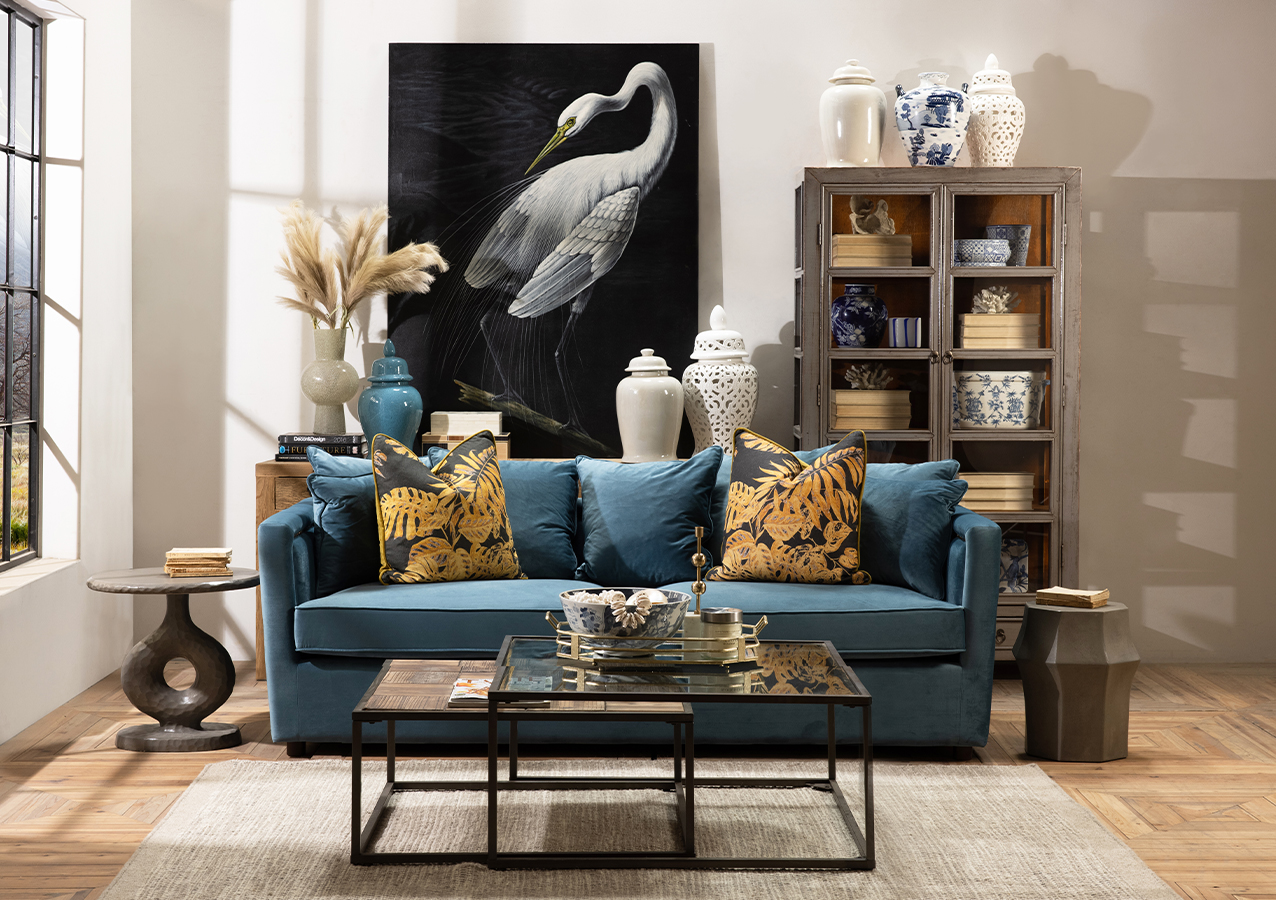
(448, 429)
(292, 447)
(1062, 596)
(1000, 331)
(998, 491)
(871, 250)
(449, 441)
(201, 562)
(872, 410)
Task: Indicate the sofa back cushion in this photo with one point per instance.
(347, 551)
(908, 526)
(640, 518)
(541, 499)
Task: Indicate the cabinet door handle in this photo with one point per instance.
(948, 357)
(1001, 636)
(934, 357)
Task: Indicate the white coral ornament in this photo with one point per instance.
(995, 300)
(633, 612)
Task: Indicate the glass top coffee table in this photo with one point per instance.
(788, 672)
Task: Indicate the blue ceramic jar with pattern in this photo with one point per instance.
(932, 119)
(858, 317)
(389, 406)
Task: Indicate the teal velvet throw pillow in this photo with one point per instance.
(906, 530)
(347, 551)
(640, 518)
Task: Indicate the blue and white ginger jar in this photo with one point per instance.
(932, 119)
(858, 317)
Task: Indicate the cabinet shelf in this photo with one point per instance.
(937, 206)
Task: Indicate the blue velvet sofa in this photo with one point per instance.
(928, 660)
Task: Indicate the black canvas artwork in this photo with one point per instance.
(560, 183)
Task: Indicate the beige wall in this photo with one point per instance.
(241, 106)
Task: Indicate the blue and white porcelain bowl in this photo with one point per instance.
(980, 252)
(1018, 237)
(661, 621)
(1009, 400)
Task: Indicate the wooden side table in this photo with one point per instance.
(180, 714)
(1077, 667)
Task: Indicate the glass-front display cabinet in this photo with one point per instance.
(938, 310)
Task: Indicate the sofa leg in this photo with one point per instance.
(298, 750)
(961, 754)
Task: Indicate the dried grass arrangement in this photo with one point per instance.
(331, 282)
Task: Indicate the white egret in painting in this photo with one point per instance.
(570, 226)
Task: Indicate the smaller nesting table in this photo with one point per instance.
(179, 714)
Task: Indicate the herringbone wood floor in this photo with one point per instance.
(1196, 798)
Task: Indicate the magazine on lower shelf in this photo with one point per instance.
(471, 693)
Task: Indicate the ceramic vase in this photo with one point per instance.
(1008, 400)
(996, 117)
(852, 116)
(720, 389)
(649, 410)
(932, 119)
(330, 381)
(389, 405)
(858, 317)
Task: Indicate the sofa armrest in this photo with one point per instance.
(974, 575)
(286, 560)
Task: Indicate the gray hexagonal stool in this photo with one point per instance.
(180, 714)
(1077, 667)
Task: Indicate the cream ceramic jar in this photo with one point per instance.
(649, 410)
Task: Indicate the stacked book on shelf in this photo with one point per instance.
(197, 562)
(998, 491)
(448, 429)
(870, 410)
(292, 447)
(871, 250)
(1000, 331)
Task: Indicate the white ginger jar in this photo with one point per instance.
(852, 116)
(649, 410)
(720, 388)
(996, 117)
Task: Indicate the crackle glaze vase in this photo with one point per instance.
(330, 381)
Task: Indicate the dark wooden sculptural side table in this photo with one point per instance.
(179, 715)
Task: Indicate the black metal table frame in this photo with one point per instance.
(361, 833)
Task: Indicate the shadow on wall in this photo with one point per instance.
(1176, 377)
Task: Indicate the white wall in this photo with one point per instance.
(56, 636)
(241, 106)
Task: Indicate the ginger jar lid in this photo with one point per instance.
(648, 364)
(389, 368)
(719, 342)
(852, 73)
(991, 79)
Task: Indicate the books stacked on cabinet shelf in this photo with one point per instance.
(871, 410)
(1000, 331)
(292, 447)
(872, 250)
(449, 441)
(998, 491)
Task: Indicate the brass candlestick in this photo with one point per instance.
(698, 587)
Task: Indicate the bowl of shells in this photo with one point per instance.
(625, 613)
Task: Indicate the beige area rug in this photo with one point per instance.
(280, 830)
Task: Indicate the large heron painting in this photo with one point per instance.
(560, 183)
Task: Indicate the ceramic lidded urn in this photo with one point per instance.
(388, 405)
(720, 389)
(852, 116)
(996, 117)
(649, 410)
(932, 120)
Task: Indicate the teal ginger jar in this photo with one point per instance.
(389, 405)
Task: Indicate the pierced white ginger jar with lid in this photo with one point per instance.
(721, 389)
(649, 410)
(852, 116)
(996, 117)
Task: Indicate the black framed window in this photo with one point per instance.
(21, 52)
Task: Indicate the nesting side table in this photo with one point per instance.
(1077, 667)
(179, 714)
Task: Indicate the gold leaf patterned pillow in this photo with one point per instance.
(443, 524)
(787, 521)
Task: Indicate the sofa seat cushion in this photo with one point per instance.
(420, 621)
(872, 620)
